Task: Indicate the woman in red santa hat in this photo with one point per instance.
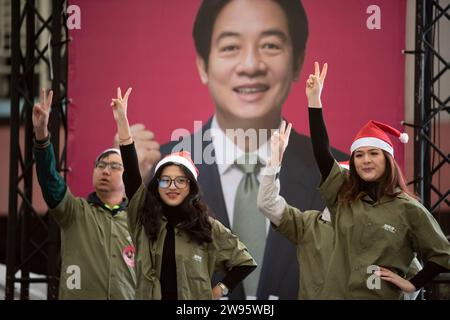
(311, 231)
(379, 226)
(178, 245)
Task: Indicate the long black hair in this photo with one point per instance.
(193, 211)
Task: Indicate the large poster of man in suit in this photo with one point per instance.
(242, 69)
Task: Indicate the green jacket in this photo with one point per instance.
(385, 233)
(195, 264)
(313, 237)
(96, 249)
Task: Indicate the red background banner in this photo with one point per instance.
(147, 45)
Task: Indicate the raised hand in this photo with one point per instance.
(392, 277)
(314, 85)
(119, 105)
(278, 144)
(41, 113)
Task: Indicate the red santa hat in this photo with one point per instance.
(374, 134)
(345, 164)
(183, 158)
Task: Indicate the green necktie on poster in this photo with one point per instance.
(248, 223)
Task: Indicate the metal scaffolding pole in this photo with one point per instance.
(23, 220)
(429, 105)
(430, 160)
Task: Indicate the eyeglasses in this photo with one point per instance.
(113, 165)
(180, 182)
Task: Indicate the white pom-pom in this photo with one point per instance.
(404, 137)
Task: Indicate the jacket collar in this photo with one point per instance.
(94, 199)
(384, 198)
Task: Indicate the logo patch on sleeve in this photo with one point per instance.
(128, 255)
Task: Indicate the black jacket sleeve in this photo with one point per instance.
(429, 271)
(320, 142)
(236, 275)
(131, 175)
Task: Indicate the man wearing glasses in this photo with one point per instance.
(96, 249)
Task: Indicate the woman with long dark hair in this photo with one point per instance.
(178, 244)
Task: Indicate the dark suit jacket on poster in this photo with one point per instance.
(299, 178)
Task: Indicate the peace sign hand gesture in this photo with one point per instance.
(314, 85)
(41, 113)
(119, 105)
(278, 144)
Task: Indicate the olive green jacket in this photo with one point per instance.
(313, 237)
(96, 251)
(385, 233)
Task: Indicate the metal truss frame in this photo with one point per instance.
(23, 219)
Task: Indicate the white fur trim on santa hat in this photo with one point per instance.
(111, 150)
(372, 142)
(180, 160)
(404, 137)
